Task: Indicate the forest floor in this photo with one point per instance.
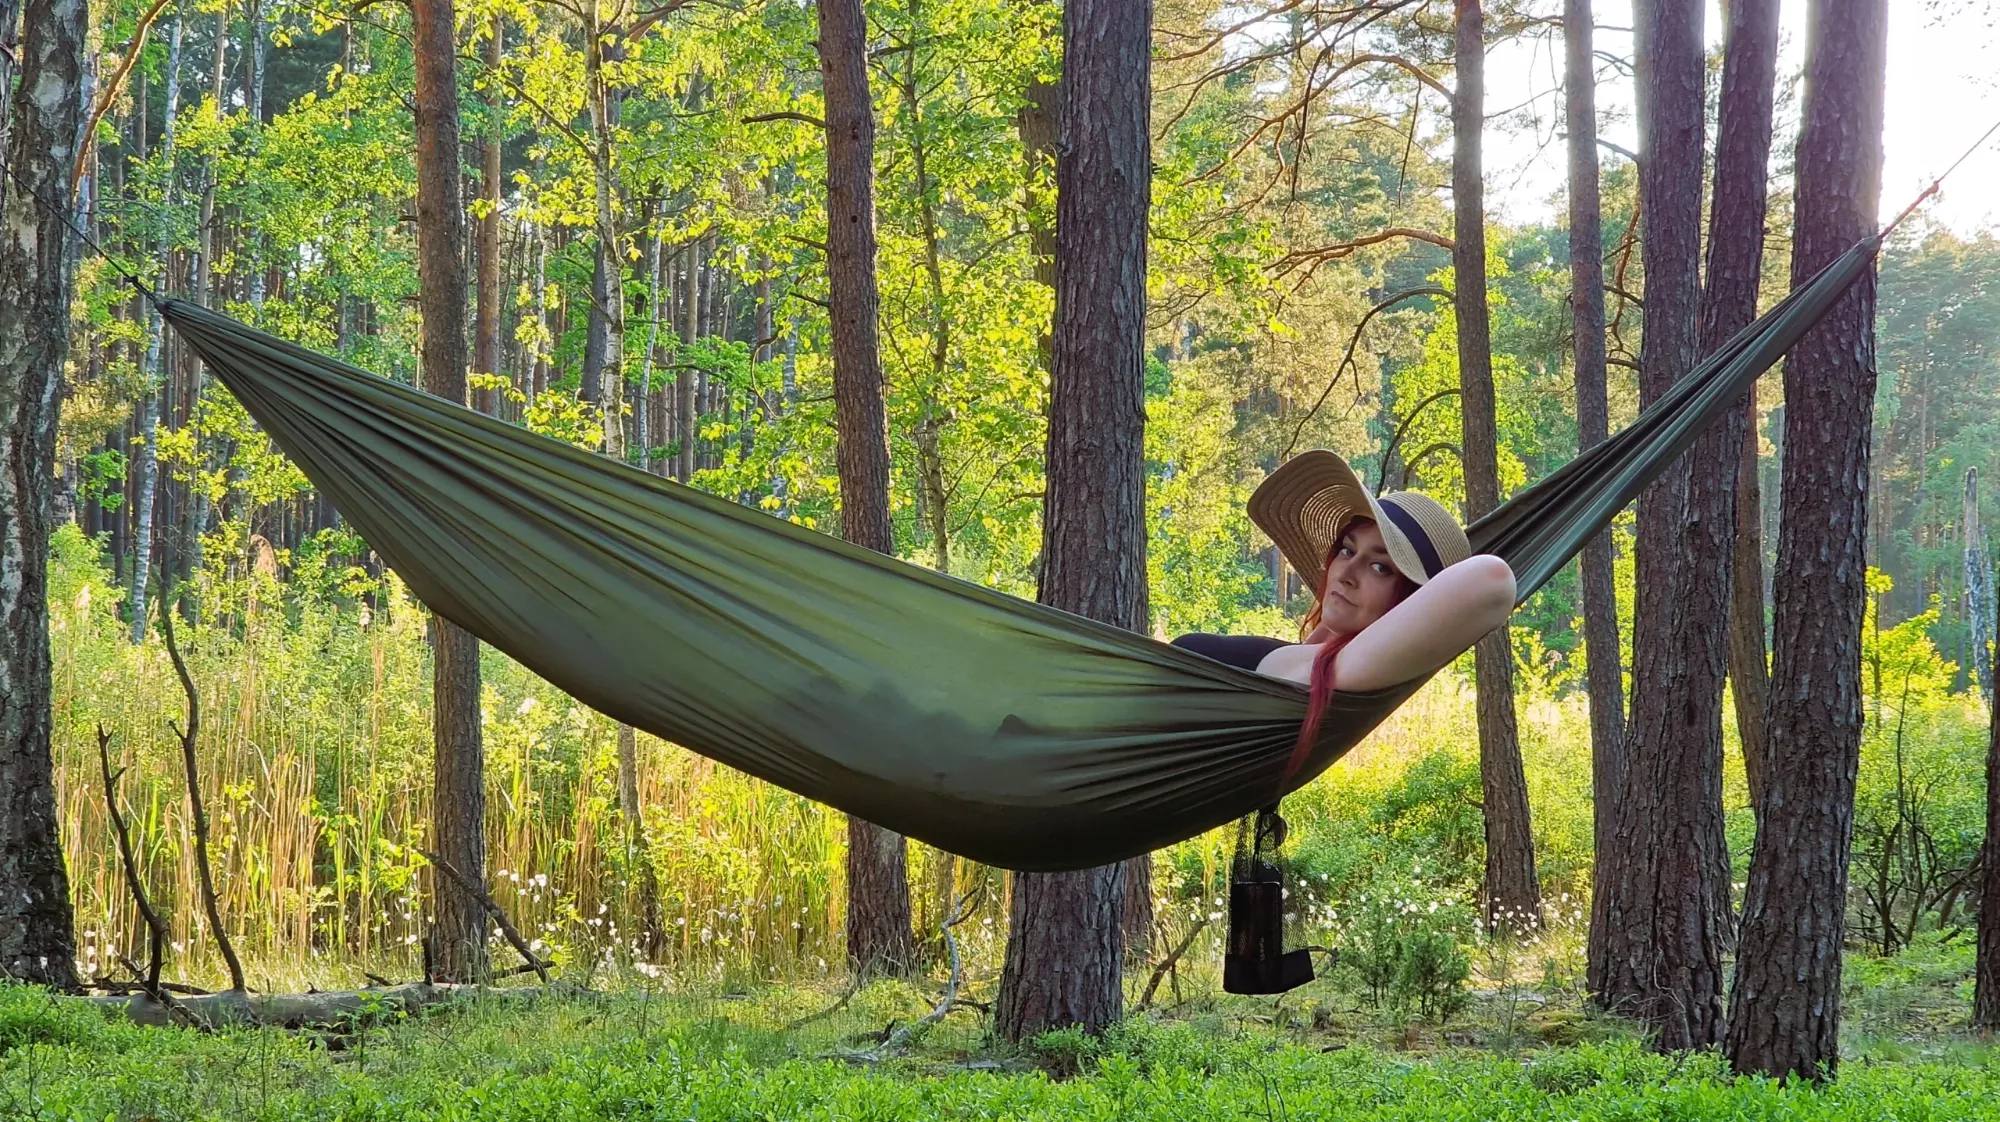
(784, 1052)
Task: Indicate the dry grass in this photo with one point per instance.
(315, 762)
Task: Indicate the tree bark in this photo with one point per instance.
(1510, 895)
(1037, 121)
(146, 466)
(1065, 946)
(10, 15)
(1729, 303)
(486, 312)
(1785, 1007)
(642, 412)
(538, 366)
(878, 891)
(337, 1010)
(1986, 987)
(1593, 424)
(458, 792)
(194, 520)
(684, 383)
(37, 936)
(1663, 909)
(1711, 627)
(253, 91)
(604, 332)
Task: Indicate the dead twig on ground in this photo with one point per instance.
(895, 1039)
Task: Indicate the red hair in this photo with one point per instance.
(1319, 691)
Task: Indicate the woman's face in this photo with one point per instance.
(1361, 583)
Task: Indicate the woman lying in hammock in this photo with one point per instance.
(1399, 591)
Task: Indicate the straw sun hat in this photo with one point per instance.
(1306, 502)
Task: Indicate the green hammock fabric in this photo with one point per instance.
(992, 727)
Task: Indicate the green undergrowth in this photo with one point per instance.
(658, 1056)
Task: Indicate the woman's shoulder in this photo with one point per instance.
(1244, 651)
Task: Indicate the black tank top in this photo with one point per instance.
(1244, 651)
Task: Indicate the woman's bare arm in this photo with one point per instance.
(1434, 625)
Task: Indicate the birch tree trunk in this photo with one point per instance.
(37, 936)
(147, 467)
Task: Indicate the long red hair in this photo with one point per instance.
(1319, 692)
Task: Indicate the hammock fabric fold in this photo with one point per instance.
(992, 727)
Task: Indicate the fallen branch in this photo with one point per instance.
(332, 1009)
(1168, 963)
(105, 984)
(896, 1039)
(170, 1006)
(540, 967)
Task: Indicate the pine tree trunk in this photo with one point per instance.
(486, 314)
(1663, 908)
(1749, 669)
(1065, 946)
(1704, 600)
(1670, 165)
(1986, 987)
(878, 891)
(1510, 894)
(1593, 424)
(458, 792)
(1785, 1008)
(1729, 303)
(1978, 588)
(37, 936)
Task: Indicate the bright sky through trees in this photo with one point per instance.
(1943, 92)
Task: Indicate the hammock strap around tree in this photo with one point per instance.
(990, 726)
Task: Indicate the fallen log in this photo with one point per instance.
(334, 1009)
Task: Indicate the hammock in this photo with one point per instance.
(992, 727)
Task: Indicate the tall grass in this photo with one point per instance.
(315, 753)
